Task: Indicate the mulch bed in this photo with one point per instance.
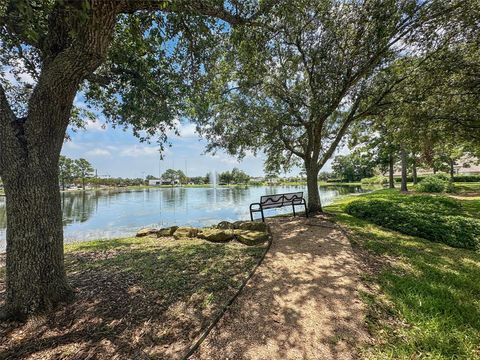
(113, 316)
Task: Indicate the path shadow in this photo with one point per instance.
(302, 303)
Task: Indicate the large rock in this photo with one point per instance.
(185, 232)
(250, 238)
(168, 231)
(146, 232)
(216, 235)
(225, 225)
(251, 225)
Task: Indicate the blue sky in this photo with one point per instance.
(118, 153)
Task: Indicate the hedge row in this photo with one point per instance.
(457, 178)
(379, 179)
(439, 222)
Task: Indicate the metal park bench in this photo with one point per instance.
(278, 201)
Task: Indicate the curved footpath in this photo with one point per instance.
(302, 303)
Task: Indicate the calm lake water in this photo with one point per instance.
(111, 213)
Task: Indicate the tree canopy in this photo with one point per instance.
(312, 69)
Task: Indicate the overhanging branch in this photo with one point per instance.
(343, 129)
(193, 7)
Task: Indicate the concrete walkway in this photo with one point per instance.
(302, 303)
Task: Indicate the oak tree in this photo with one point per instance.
(306, 73)
(134, 60)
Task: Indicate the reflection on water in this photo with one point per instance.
(108, 214)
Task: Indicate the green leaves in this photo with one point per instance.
(70, 170)
(435, 219)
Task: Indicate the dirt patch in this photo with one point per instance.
(146, 300)
(302, 303)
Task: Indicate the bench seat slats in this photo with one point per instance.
(278, 201)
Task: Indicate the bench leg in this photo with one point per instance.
(263, 217)
(251, 215)
(293, 208)
(306, 210)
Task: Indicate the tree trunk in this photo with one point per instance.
(403, 187)
(391, 180)
(314, 203)
(29, 154)
(35, 273)
(452, 168)
(83, 183)
(414, 171)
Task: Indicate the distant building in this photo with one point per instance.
(257, 179)
(464, 166)
(158, 182)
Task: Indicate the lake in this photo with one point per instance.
(115, 213)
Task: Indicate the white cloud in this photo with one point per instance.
(94, 125)
(98, 152)
(22, 73)
(224, 158)
(188, 130)
(69, 144)
(138, 150)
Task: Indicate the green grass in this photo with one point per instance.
(135, 296)
(427, 298)
(472, 206)
(463, 187)
(177, 269)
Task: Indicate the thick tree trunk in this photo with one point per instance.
(35, 274)
(314, 203)
(391, 180)
(414, 171)
(29, 154)
(403, 187)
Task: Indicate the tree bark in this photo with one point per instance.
(35, 273)
(314, 203)
(403, 187)
(452, 168)
(391, 180)
(414, 171)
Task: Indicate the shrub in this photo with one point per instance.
(438, 222)
(466, 178)
(433, 184)
(375, 180)
(409, 179)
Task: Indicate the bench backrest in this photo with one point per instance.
(277, 200)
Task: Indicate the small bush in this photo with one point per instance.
(439, 222)
(433, 184)
(375, 180)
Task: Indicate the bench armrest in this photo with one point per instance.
(255, 204)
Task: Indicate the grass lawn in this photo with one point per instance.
(423, 297)
(135, 298)
(468, 187)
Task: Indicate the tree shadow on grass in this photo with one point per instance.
(432, 290)
(151, 301)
